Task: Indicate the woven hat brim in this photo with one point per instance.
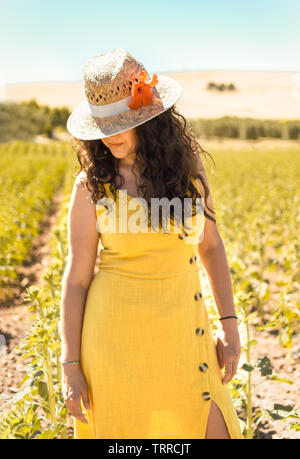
(82, 125)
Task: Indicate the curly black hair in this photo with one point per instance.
(166, 158)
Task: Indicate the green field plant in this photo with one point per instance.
(30, 175)
(39, 410)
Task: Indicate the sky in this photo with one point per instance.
(51, 40)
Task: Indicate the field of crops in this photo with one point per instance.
(257, 202)
(30, 175)
(256, 197)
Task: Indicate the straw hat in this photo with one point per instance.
(119, 95)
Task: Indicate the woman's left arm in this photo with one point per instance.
(213, 258)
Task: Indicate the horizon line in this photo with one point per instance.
(160, 72)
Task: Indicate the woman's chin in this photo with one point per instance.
(118, 154)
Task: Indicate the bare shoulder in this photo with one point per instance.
(83, 236)
(83, 184)
(82, 192)
(81, 179)
(201, 170)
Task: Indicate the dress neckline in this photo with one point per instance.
(130, 195)
(136, 197)
(124, 191)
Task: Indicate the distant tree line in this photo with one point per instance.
(27, 119)
(245, 128)
(221, 86)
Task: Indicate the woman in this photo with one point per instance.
(138, 355)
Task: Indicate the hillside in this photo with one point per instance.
(258, 94)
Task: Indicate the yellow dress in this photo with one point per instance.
(147, 348)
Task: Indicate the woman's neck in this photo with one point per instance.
(127, 161)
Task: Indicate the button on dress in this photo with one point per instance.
(147, 348)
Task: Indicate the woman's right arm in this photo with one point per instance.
(83, 239)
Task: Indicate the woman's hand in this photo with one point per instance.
(74, 389)
(229, 351)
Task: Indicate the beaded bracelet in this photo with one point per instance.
(70, 361)
(228, 317)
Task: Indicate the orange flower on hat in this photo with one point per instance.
(141, 91)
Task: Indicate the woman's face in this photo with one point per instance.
(122, 145)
